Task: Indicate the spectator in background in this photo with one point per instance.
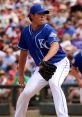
(2, 65)
(2, 53)
(60, 17)
(3, 16)
(1, 44)
(76, 12)
(77, 7)
(30, 65)
(78, 32)
(11, 77)
(10, 13)
(2, 32)
(67, 45)
(76, 70)
(3, 81)
(74, 95)
(9, 59)
(11, 33)
(69, 27)
(77, 36)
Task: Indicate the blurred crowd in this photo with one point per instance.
(65, 16)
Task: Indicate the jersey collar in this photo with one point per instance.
(37, 31)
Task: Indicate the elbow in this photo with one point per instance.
(56, 46)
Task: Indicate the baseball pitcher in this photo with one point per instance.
(42, 42)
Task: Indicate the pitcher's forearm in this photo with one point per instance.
(53, 50)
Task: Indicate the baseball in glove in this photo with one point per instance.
(47, 70)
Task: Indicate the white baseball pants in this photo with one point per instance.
(37, 82)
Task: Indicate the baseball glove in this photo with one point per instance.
(47, 70)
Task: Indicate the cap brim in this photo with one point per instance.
(40, 12)
(44, 12)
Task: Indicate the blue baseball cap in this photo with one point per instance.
(38, 8)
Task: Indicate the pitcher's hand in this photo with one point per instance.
(21, 83)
